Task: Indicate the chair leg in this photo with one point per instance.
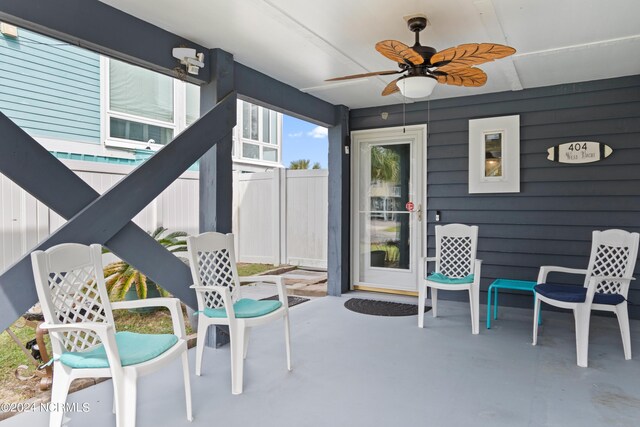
(434, 302)
(422, 295)
(247, 333)
(187, 383)
(126, 395)
(623, 320)
(201, 338)
(237, 362)
(582, 316)
(536, 315)
(59, 391)
(475, 288)
(287, 340)
(472, 309)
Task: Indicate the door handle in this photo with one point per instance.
(419, 212)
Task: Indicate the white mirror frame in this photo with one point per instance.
(509, 182)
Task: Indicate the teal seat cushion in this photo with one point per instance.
(133, 348)
(441, 278)
(245, 308)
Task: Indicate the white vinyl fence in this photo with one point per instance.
(280, 217)
(25, 222)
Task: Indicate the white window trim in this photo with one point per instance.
(240, 139)
(509, 182)
(179, 114)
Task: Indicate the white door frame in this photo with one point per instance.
(418, 133)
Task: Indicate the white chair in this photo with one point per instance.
(457, 269)
(70, 284)
(217, 286)
(605, 288)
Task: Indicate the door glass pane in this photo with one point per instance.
(387, 190)
(389, 240)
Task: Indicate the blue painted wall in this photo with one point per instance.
(50, 88)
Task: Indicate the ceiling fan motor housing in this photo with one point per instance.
(417, 23)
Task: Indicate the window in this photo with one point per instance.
(145, 109)
(259, 134)
(494, 155)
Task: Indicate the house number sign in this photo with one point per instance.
(579, 152)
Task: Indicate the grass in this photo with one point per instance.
(253, 269)
(392, 251)
(15, 390)
(392, 229)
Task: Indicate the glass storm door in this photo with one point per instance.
(389, 206)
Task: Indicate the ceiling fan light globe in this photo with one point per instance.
(417, 86)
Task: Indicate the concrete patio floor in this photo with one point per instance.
(357, 370)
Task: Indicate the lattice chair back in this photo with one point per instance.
(456, 249)
(613, 254)
(70, 284)
(213, 263)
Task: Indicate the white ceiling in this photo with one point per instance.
(304, 42)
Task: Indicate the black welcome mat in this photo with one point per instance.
(382, 308)
(293, 301)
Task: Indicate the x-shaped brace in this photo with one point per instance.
(106, 218)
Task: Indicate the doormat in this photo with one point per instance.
(293, 301)
(382, 308)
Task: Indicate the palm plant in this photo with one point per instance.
(299, 164)
(120, 276)
(385, 165)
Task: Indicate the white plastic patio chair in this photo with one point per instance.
(457, 269)
(605, 288)
(217, 286)
(73, 296)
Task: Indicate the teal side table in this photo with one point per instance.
(518, 285)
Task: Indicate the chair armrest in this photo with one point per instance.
(477, 266)
(220, 290)
(105, 331)
(98, 328)
(173, 304)
(546, 269)
(594, 280)
(276, 280)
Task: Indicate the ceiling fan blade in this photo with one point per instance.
(359, 76)
(399, 52)
(469, 77)
(391, 88)
(467, 55)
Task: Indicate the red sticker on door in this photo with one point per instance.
(409, 206)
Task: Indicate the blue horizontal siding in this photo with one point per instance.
(49, 88)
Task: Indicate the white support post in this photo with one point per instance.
(235, 214)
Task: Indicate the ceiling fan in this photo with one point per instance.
(422, 66)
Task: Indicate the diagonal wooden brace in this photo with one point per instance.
(104, 219)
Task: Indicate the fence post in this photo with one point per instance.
(277, 195)
(283, 216)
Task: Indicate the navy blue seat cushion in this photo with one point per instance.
(575, 293)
